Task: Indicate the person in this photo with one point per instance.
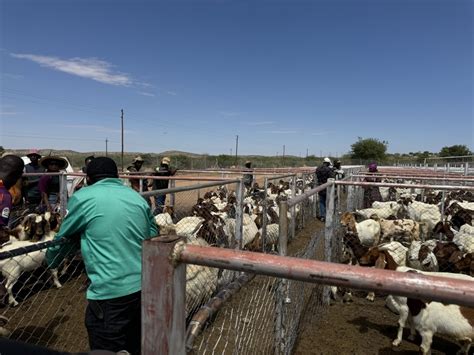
(248, 176)
(163, 170)
(109, 222)
(49, 185)
(371, 193)
(135, 167)
(30, 183)
(323, 173)
(11, 169)
(80, 181)
(338, 172)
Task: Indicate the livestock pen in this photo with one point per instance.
(248, 311)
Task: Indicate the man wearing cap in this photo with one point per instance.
(11, 169)
(248, 177)
(137, 164)
(163, 170)
(49, 185)
(30, 183)
(110, 221)
(323, 173)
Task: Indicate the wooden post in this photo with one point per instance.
(264, 215)
(293, 208)
(163, 299)
(350, 198)
(172, 196)
(329, 231)
(280, 338)
(62, 194)
(239, 215)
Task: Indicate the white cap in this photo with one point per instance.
(327, 160)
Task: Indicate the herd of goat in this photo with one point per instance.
(401, 233)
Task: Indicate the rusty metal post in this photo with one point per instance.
(239, 214)
(63, 194)
(293, 208)
(163, 298)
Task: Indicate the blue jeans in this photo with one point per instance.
(322, 205)
(159, 204)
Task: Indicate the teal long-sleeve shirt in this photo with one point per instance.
(111, 221)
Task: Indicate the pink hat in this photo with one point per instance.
(33, 152)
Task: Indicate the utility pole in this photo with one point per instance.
(283, 151)
(306, 152)
(236, 148)
(122, 138)
(230, 151)
(106, 149)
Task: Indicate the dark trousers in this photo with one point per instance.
(159, 203)
(115, 324)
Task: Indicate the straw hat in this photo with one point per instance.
(62, 163)
(34, 152)
(137, 159)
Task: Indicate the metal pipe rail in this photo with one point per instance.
(411, 186)
(440, 289)
(300, 198)
(188, 188)
(30, 248)
(384, 176)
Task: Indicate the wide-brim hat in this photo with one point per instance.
(166, 161)
(137, 159)
(34, 152)
(62, 163)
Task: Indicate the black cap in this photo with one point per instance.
(102, 167)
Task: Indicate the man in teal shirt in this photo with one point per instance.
(110, 221)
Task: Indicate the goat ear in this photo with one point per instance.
(381, 261)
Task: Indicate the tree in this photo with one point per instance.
(369, 149)
(1, 150)
(454, 150)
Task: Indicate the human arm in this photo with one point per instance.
(154, 229)
(73, 226)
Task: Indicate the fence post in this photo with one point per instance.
(264, 215)
(172, 195)
(466, 169)
(350, 198)
(280, 338)
(62, 194)
(329, 231)
(239, 214)
(163, 298)
(293, 208)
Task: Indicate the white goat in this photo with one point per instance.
(368, 231)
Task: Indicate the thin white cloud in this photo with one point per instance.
(230, 113)
(97, 128)
(283, 132)
(261, 123)
(90, 68)
(9, 113)
(171, 93)
(12, 76)
(319, 133)
(146, 94)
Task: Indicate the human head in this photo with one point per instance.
(88, 159)
(138, 162)
(54, 163)
(165, 161)
(34, 156)
(337, 164)
(11, 169)
(248, 164)
(101, 168)
(327, 161)
(373, 167)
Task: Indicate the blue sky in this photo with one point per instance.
(191, 75)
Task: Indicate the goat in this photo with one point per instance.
(13, 267)
(368, 231)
